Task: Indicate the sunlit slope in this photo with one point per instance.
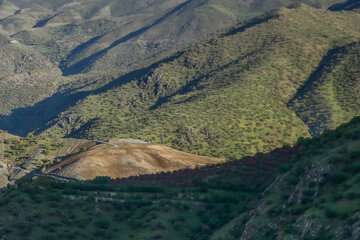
(143, 29)
(194, 19)
(107, 37)
(224, 96)
(121, 159)
(331, 95)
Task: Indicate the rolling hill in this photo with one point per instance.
(173, 30)
(244, 91)
(120, 159)
(107, 37)
(123, 34)
(241, 98)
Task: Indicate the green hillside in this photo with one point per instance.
(103, 36)
(245, 90)
(271, 94)
(26, 75)
(331, 95)
(319, 198)
(313, 196)
(229, 95)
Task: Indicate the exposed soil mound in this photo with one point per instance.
(121, 160)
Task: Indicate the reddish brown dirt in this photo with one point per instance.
(254, 171)
(127, 160)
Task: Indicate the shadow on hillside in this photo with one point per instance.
(43, 22)
(348, 6)
(194, 84)
(251, 23)
(249, 171)
(23, 121)
(329, 61)
(82, 64)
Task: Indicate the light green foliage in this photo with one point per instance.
(331, 95)
(226, 96)
(98, 36)
(20, 150)
(18, 147)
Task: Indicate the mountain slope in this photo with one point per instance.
(318, 198)
(314, 194)
(331, 95)
(188, 21)
(226, 96)
(144, 30)
(26, 75)
(106, 36)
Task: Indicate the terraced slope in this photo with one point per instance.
(229, 95)
(221, 198)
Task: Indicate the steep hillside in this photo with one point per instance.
(309, 193)
(229, 95)
(139, 31)
(331, 95)
(102, 36)
(26, 76)
(193, 19)
(319, 198)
